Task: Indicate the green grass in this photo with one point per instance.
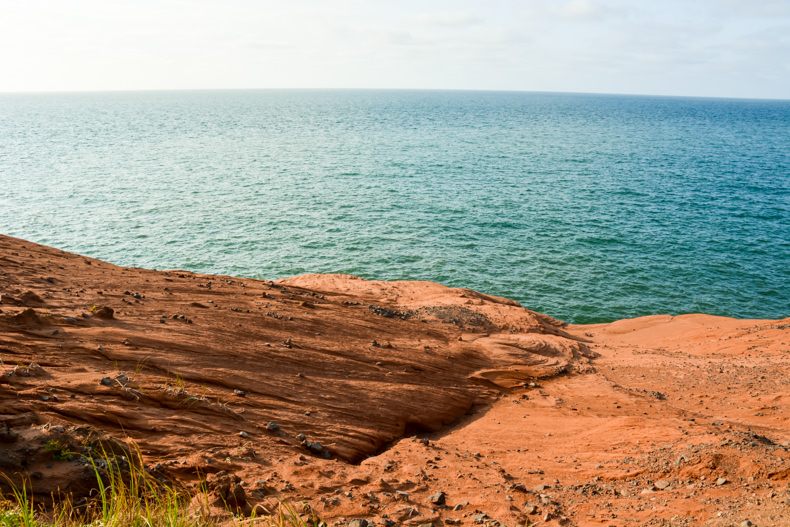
(131, 498)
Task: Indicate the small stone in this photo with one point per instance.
(540, 488)
(662, 484)
(745, 523)
(400, 495)
(106, 381)
(44, 398)
(531, 509)
(240, 393)
(460, 506)
(359, 522)
(243, 434)
(438, 499)
(104, 312)
(721, 481)
(272, 427)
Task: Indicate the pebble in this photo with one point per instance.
(240, 393)
(721, 481)
(243, 434)
(662, 484)
(106, 381)
(272, 427)
(460, 506)
(438, 499)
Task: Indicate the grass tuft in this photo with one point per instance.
(128, 496)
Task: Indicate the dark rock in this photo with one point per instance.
(225, 490)
(240, 393)
(104, 312)
(438, 499)
(272, 427)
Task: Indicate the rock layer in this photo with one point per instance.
(368, 399)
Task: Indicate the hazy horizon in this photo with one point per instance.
(697, 48)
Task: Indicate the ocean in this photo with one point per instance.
(589, 208)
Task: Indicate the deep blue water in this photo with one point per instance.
(585, 207)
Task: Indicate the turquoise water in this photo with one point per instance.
(585, 207)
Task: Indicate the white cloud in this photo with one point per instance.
(694, 47)
(455, 19)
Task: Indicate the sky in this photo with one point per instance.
(713, 48)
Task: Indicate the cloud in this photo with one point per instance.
(269, 45)
(585, 10)
(449, 19)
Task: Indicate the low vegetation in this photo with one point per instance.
(128, 496)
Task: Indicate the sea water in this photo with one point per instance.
(586, 207)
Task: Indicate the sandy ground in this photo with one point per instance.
(397, 402)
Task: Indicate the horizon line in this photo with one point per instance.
(478, 90)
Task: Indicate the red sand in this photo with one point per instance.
(401, 390)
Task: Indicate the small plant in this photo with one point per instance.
(128, 495)
(23, 514)
(59, 451)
